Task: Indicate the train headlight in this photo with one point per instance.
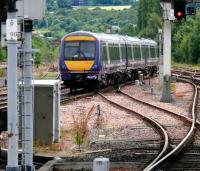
(92, 77)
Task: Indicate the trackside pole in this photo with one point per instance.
(166, 94)
(28, 96)
(11, 36)
(160, 58)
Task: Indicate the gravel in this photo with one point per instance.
(118, 124)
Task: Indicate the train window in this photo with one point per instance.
(114, 53)
(152, 51)
(145, 51)
(123, 50)
(104, 55)
(70, 49)
(137, 53)
(156, 52)
(129, 50)
(80, 50)
(87, 49)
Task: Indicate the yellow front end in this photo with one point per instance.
(79, 65)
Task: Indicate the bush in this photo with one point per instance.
(80, 127)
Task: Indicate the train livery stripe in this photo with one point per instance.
(79, 65)
(80, 38)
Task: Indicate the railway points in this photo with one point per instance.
(102, 143)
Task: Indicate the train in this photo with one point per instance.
(93, 60)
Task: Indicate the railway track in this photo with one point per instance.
(182, 117)
(186, 158)
(185, 140)
(158, 160)
(66, 96)
(156, 163)
(180, 145)
(149, 120)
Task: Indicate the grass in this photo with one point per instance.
(42, 31)
(49, 75)
(108, 8)
(185, 66)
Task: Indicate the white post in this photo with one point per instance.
(168, 16)
(11, 30)
(28, 96)
(167, 47)
(160, 58)
(166, 94)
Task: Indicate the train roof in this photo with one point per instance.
(114, 38)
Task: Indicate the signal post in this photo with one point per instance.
(167, 16)
(173, 10)
(11, 36)
(176, 11)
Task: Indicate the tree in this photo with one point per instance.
(64, 3)
(142, 14)
(51, 5)
(2, 54)
(186, 41)
(151, 30)
(194, 42)
(149, 10)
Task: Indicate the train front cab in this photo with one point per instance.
(80, 61)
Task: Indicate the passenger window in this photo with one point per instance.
(137, 53)
(105, 57)
(123, 50)
(129, 52)
(152, 51)
(145, 52)
(114, 53)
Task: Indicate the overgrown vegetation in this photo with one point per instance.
(96, 20)
(53, 5)
(81, 127)
(47, 53)
(149, 18)
(186, 41)
(185, 36)
(3, 55)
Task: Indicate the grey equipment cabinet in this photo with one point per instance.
(46, 111)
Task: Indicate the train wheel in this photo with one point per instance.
(109, 80)
(126, 77)
(71, 89)
(97, 86)
(134, 75)
(118, 79)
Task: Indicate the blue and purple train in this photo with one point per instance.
(96, 59)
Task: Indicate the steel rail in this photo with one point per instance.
(159, 127)
(187, 137)
(68, 97)
(160, 108)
